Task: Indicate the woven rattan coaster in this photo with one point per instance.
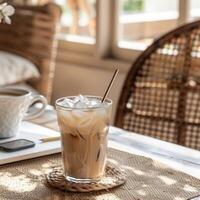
(112, 178)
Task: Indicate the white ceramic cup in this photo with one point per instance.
(14, 104)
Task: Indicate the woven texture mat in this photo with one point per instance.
(146, 180)
(113, 177)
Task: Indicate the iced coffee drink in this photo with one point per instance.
(84, 123)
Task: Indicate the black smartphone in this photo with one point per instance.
(16, 145)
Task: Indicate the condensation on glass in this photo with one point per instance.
(140, 21)
(79, 20)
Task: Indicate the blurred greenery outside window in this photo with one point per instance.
(133, 6)
(128, 6)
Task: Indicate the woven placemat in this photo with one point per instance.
(113, 177)
(146, 180)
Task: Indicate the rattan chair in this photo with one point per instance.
(32, 35)
(161, 94)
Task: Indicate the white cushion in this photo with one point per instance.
(15, 69)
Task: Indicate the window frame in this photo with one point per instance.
(107, 34)
(129, 54)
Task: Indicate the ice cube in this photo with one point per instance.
(86, 124)
(82, 98)
(99, 126)
(94, 103)
(67, 103)
(102, 114)
(76, 99)
(66, 120)
(81, 102)
(80, 105)
(78, 114)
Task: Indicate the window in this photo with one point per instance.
(120, 28)
(78, 21)
(194, 9)
(140, 21)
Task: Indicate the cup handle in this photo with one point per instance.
(34, 114)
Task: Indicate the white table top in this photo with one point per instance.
(178, 157)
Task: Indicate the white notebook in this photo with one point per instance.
(31, 132)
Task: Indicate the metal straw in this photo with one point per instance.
(110, 85)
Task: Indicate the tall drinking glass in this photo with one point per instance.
(84, 138)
